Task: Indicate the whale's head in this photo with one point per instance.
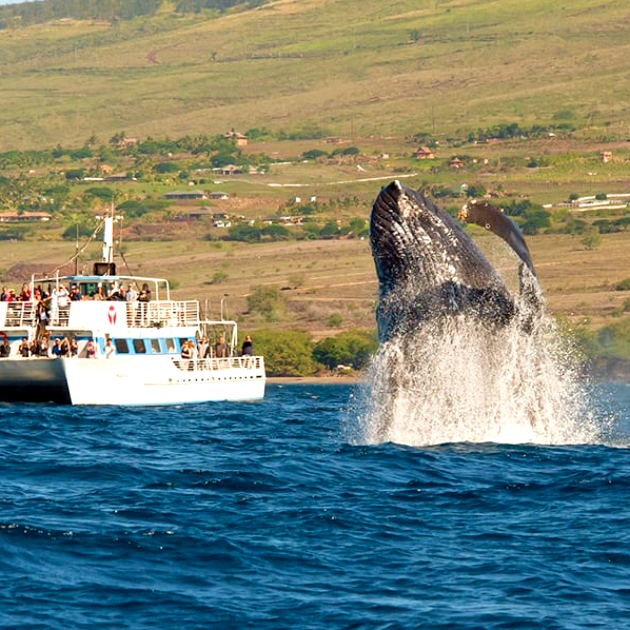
(427, 266)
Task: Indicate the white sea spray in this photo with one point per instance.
(459, 379)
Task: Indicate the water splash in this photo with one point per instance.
(460, 380)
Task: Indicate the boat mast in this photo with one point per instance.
(108, 237)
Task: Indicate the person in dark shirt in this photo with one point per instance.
(220, 349)
(248, 347)
(24, 349)
(57, 350)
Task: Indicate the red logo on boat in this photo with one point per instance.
(111, 315)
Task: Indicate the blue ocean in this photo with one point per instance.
(272, 515)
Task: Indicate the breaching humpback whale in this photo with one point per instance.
(462, 358)
(429, 268)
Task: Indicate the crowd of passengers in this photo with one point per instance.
(43, 348)
(62, 295)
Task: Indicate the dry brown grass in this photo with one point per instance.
(339, 275)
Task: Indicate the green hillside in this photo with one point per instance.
(349, 67)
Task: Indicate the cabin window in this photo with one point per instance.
(122, 347)
(155, 346)
(139, 346)
(170, 345)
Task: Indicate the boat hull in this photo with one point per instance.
(36, 380)
(139, 381)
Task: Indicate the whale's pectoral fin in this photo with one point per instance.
(491, 218)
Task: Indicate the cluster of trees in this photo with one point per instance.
(48, 10)
(111, 10)
(313, 154)
(293, 353)
(605, 226)
(504, 131)
(196, 6)
(330, 229)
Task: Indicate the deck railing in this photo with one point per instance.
(139, 314)
(162, 313)
(211, 365)
(20, 315)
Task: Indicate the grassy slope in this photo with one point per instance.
(348, 65)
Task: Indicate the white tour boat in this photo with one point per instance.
(126, 352)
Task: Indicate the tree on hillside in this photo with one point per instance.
(266, 300)
(286, 352)
(354, 348)
(591, 240)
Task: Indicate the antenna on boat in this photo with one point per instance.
(76, 254)
(107, 266)
(108, 237)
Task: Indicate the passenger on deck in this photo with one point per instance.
(57, 350)
(203, 348)
(248, 347)
(220, 349)
(132, 294)
(100, 294)
(75, 293)
(6, 295)
(63, 297)
(188, 355)
(90, 349)
(74, 348)
(25, 294)
(109, 348)
(43, 346)
(42, 318)
(34, 348)
(25, 349)
(145, 293)
(5, 349)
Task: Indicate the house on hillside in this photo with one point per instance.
(186, 194)
(228, 169)
(118, 177)
(196, 213)
(239, 138)
(221, 220)
(456, 163)
(217, 194)
(16, 217)
(424, 153)
(127, 142)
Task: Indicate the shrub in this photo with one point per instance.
(591, 240)
(166, 167)
(335, 320)
(286, 352)
(624, 285)
(266, 300)
(218, 277)
(244, 233)
(313, 154)
(353, 348)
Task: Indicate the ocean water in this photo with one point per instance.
(275, 515)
